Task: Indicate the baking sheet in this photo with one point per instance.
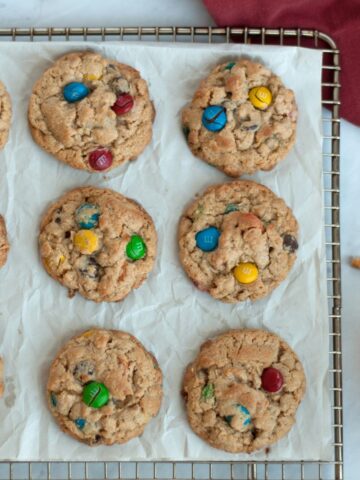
(167, 313)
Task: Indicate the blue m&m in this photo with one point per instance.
(230, 65)
(207, 240)
(214, 118)
(80, 423)
(75, 91)
(87, 216)
(242, 416)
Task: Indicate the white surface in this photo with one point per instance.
(191, 12)
(167, 302)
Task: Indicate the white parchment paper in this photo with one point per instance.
(168, 314)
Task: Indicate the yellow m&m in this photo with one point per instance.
(86, 241)
(91, 77)
(246, 272)
(260, 97)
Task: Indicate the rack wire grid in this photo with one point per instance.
(250, 470)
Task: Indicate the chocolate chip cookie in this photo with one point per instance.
(4, 244)
(91, 112)
(97, 242)
(5, 115)
(104, 387)
(242, 118)
(237, 241)
(243, 389)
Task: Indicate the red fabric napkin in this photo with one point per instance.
(339, 19)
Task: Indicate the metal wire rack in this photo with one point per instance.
(251, 470)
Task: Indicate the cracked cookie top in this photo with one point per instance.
(4, 244)
(242, 118)
(5, 115)
(97, 242)
(90, 112)
(243, 389)
(104, 387)
(237, 241)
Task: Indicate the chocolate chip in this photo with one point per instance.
(67, 234)
(290, 243)
(90, 268)
(97, 438)
(84, 370)
(58, 220)
(250, 128)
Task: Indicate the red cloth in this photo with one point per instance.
(340, 19)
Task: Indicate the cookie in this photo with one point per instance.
(5, 115)
(243, 389)
(98, 243)
(242, 118)
(104, 387)
(2, 387)
(237, 241)
(4, 244)
(91, 112)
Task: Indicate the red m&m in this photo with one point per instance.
(272, 380)
(124, 103)
(100, 159)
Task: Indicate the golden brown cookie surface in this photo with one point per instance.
(243, 389)
(235, 128)
(97, 242)
(237, 241)
(91, 112)
(128, 376)
(5, 115)
(4, 244)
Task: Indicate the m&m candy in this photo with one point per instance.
(241, 417)
(272, 380)
(124, 103)
(229, 66)
(100, 159)
(87, 216)
(95, 395)
(75, 91)
(214, 118)
(91, 77)
(136, 248)
(207, 240)
(86, 241)
(80, 423)
(260, 97)
(246, 272)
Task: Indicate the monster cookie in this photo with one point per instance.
(243, 390)
(90, 112)
(237, 241)
(241, 119)
(97, 242)
(5, 115)
(104, 387)
(4, 244)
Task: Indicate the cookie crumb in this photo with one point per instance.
(355, 262)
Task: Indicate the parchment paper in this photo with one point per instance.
(168, 314)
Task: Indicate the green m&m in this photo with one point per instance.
(95, 395)
(136, 248)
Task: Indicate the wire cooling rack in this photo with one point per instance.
(303, 470)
